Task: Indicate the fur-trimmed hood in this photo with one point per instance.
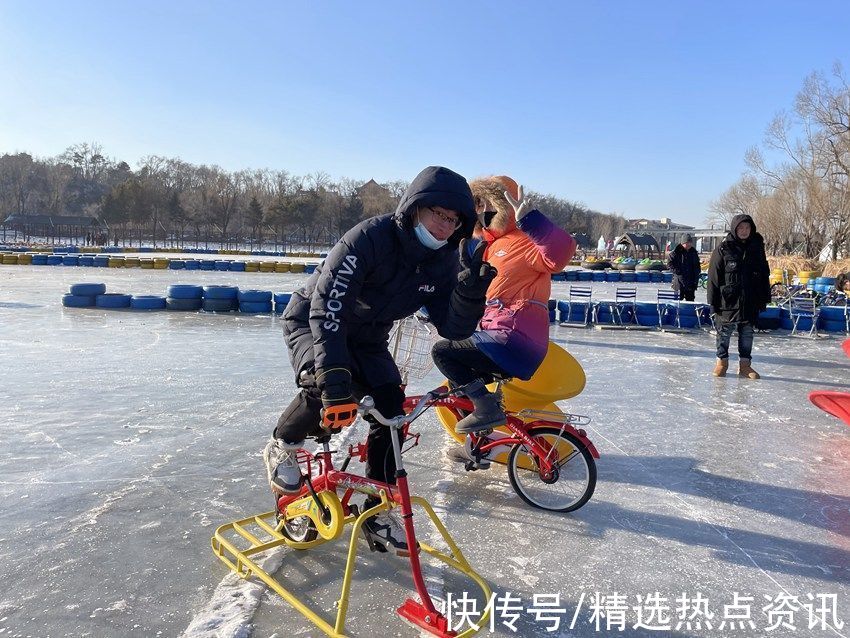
(489, 192)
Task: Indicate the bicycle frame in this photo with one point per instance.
(317, 493)
(519, 430)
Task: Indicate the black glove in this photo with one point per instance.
(475, 278)
(339, 406)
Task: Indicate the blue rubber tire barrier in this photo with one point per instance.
(237, 266)
(255, 306)
(832, 313)
(804, 324)
(176, 264)
(147, 302)
(39, 260)
(598, 275)
(688, 322)
(113, 300)
(647, 320)
(88, 290)
(206, 264)
(221, 292)
(281, 299)
(78, 301)
(222, 265)
(54, 260)
(101, 262)
(834, 326)
(183, 291)
(310, 268)
(771, 313)
(86, 260)
(254, 296)
(183, 304)
(642, 276)
(220, 305)
(627, 276)
(192, 264)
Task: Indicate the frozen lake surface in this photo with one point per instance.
(126, 438)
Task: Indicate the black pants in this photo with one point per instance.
(302, 418)
(686, 295)
(462, 362)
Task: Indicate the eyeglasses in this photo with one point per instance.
(446, 219)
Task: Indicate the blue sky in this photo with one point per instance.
(639, 108)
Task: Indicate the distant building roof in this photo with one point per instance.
(637, 241)
(371, 187)
(665, 223)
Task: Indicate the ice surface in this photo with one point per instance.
(126, 438)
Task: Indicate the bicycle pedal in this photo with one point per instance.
(374, 546)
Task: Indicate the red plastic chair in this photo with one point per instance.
(834, 403)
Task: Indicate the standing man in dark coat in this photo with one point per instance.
(684, 262)
(337, 326)
(738, 289)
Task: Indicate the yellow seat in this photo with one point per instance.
(559, 377)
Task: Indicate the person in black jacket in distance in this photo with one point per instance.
(684, 262)
(337, 326)
(738, 289)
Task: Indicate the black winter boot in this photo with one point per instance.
(487, 413)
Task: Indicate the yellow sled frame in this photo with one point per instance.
(252, 528)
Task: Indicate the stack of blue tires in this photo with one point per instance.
(255, 301)
(83, 295)
(147, 302)
(220, 298)
(94, 295)
(184, 297)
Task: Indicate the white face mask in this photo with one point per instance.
(427, 239)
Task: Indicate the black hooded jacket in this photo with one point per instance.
(738, 275)
(685, 266)
(377, 273)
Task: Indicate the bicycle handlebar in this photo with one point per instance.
(366, 407)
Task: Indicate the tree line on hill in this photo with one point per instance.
(168, 201)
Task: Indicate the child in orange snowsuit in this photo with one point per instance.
(526, 248)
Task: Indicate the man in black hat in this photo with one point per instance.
(684, 262)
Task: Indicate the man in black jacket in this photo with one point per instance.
(337, 326)
(738, 289)
(684, 262)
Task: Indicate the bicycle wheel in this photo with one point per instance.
(573, 481)
(300, 529)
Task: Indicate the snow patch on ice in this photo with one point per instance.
(229, 612)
